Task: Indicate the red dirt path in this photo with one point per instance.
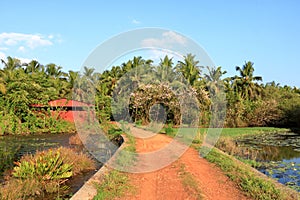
(166, 183)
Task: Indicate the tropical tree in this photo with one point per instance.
(245, 84)
(52, 70)
(11, 67)
(11, 64)
(189, 69)
(213, 79)
(33, 67)
(165, 71)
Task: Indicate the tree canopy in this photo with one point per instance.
(248, 101)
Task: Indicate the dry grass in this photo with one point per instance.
(31, 188)
(75, 140)
(229, 146)
(189, 183)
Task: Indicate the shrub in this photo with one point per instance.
(46, 166)
(169, 129)
(45, 172)
(138, 123)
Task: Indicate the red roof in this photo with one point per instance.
(65, 103)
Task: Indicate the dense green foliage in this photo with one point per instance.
(21, 86)
(249, 102)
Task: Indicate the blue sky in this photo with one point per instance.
(65, 32)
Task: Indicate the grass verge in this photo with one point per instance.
(114, 185)
(189, 183)
(250, 182)
(238, 132)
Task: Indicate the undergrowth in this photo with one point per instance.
(254, 186)
(46, 172)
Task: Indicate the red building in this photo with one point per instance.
(69, 109)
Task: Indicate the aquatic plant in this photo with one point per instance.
(45, 172)
(46, 166)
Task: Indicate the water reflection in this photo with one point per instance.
(279, 155)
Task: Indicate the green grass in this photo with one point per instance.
(237, 132)
(230, 132)
(249, 182)
(114, 185)
(126, 157)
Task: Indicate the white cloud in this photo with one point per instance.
(157, 54)
(167, 40)
(173, 37)
(3, 48)
(10, 42)
(134, 21)
(31, 41)
(22, 49)
(25, 60)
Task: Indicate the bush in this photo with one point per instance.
(46, 166)
(44, 172)
(138, 123)
(169, 129)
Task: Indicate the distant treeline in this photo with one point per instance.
(248, 101)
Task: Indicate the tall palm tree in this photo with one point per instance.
(10, 68)
(88, 72)
(33, 67)
(190, 69)
(165, 70)
(72, 77)
(11, 63)
(127, 66)
(213, 79)
(55, 71)
(245, 84)
(139, 70)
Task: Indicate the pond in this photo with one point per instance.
(279, 155)
(12, 148)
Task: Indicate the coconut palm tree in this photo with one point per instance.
(213, 79)
(10, 68)
(189, 69)
(33, 67)
(245, 84)
(165, 71)
(88, 72)
(52, 70)
(11, 63)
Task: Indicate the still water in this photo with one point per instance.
(279, 155)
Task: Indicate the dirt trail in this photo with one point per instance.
(166, 183)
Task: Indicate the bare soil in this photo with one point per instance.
(166, 183)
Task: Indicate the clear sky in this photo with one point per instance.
(266, 32)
